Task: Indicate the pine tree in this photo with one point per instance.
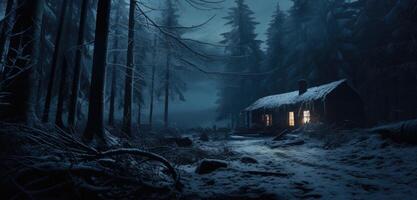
(62, 93)
(116, 55)
(6, 26)
(95, 121)
(55, 61)
(275, 51)
(172, 85)
(22, 62)
(130, 67)
(245, 56)
(77, 68)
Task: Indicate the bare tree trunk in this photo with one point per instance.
(139, 114)
(63, 83)
(21, 74)
(61, 94)
(41, 71)
(77, 68)
(5, 28)
(55, 61)
(167, 74)
(95, 123)
(152, 85)
(127, 109)
(114, 71)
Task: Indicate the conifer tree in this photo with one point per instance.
(245, 55)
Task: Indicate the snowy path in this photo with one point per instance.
(383, 172)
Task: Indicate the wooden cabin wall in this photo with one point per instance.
(344, 105)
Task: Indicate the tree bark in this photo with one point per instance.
(167, 77)
(63, 83)
(41, 70)
(127, 109)
(152, 85)
(95, 124)
(61, 95)
(20, 84)
(139, 114)
(5, 28)
(77, 68)
(114, 71)
(55, 61)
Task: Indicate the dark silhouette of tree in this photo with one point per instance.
(244, 56)
(275, 51)
(62, 93)
(114, 74)
(172, 85)
(152, 89)
(55, 60)
(22, 61)
(130, 66)
(77, 68)
(95, 123)
(6, 26)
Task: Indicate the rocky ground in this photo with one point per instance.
(305, 164)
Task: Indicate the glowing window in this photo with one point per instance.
(306, 117)
(291, 119)
(268, 119)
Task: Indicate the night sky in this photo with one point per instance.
(202, 93)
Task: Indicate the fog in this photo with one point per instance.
(199, 109)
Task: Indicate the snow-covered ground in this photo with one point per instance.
(356, 165)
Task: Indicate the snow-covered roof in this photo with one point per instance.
(314, 93)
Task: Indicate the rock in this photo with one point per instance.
(247, 159)
(209, 165)
(204, 137)
(184, 142)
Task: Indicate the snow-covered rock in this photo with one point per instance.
(209, 165)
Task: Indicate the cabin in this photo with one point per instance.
(333, 103)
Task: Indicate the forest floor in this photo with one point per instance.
(354, 164)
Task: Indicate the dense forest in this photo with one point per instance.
(80, 81)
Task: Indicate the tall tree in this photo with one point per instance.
(130, 66)
(114, 74)
(275, 50)
(22, 60)
(62, 92)
(77, 68)
(55, 61)
(244, 56)
(41, 66)
(152, 89)
(6, 25)
(95, 123)
(172, 84)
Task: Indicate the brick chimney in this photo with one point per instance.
(302, 87)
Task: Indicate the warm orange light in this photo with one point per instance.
(268, 119)
(291, 119)
(306, 117)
